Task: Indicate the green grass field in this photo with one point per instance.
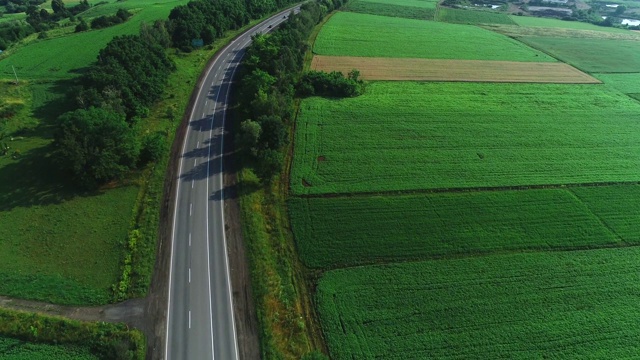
(592, 55)
(389, 9)
(529, 21)
(14, 349)
(461, 16)
(409, 135)
(348, 231)
(350, 34)
(627, 83)
(63, 57)
(576, 304)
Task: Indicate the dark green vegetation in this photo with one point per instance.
(393, 9)
(14, 349)
(532, 305)
(272, 68)
(592, 55)
(465, 135)
(460, 16)
(69, 339)
(334, 84)
(349, 34)
(347, 231)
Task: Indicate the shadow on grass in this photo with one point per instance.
(33, 178)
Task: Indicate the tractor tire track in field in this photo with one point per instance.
(466, 189)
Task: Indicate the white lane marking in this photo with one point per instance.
(195, 162)
(190, 208)
(189, 239)
(198, 144)
(189, 275)
(192, 181)
(205, 102)
(189, 319)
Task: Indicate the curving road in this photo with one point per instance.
(200, 321)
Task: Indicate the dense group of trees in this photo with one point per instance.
(100, 140)
(271, 70)
(333, 84)
(18, 6)
(105, 21)
(42, 20)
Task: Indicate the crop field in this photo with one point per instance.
(592, 55)
(60, 58)
(415, 135)
(528, 21)
(14, 349)
(461, 16)
(627, 83)
(349, 231)
(453, 70)
(387, 9)
(429, 4)
(575, 304)
(349, 34)
(617, 207)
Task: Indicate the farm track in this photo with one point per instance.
(467, 189)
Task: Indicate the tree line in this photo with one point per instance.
(271, 77)
(101, 139)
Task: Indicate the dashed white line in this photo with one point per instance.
(195, 162)
(192, 181)
(198, 145)
(189, 319)
(189, 239)
(205, 102)
(189, 275)
(190, 209)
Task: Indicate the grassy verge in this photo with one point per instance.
(103, 340)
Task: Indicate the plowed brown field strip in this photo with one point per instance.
(453, 70)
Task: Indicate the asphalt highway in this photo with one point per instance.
(200, 321)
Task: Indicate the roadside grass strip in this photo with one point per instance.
(617, 207)
(575, 304)
(402, 69)
(423, 135)
(348, 231)
(461, 16)
(350, 34)
(14, 349)
(592, 55)
(420, 10)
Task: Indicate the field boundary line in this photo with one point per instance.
(467, 189)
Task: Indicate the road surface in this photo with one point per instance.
(200, 323)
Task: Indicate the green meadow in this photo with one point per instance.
(592, 55)
(390, 9)
(528, 21)
(461, 16)
(14, 349)
(413, 135)
(350, 34)
(628, 83)
(348, 231)
(574, 304)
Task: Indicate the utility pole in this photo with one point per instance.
(14, 73)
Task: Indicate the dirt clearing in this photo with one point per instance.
(454, 70)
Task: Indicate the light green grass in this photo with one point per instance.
(64, 57)
(429, 4)
(627, 83)
(349, 231)
(560, 305)
(351, 34)
(617, 207)
(528, 21)
(461, 16)
(14, 349)
(411, 135)
(390, 9)
(592, 55)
